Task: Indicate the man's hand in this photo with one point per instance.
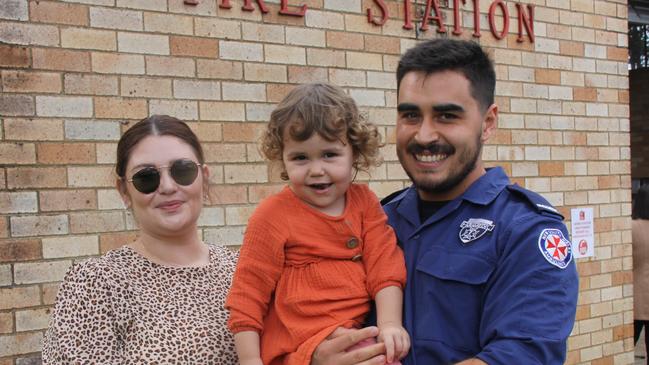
(332, 350)
(396, 339)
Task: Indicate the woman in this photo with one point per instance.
(158, 299)
(640, 236)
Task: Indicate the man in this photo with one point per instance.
(490, 273)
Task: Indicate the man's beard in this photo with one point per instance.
(467, 160)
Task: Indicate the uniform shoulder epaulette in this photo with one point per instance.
(392, 196)
(535, 199)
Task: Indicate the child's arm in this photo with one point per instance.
(389, 303)
(247, 344)
(260, 265)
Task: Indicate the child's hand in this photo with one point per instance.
(396, 340)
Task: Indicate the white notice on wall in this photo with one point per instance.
(583, 236)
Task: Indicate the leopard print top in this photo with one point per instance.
(122, 308)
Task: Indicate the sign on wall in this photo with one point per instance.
(583, 236)
(432, 14)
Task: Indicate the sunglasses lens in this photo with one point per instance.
(147, 180)
(184, 172)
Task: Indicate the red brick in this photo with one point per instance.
(195, 47)
(583, 312)
(623, 96)
(36, 177)
(37, 82)
(589, 268)
(49, 292)
(543, 76)
(276, 92)
(238, 132)
(618, 333)
(16, 105)
(90, 84)
(608, 360)
(228, 194)
(584, 94)
(62, 60)
(66, 200)
(344, 40)
(66, 153)
(569, 48)
(382, 44)
(622, 277)
(6, 323)
(502, 137)
(20, 250)
(120, 108)
(14, 56)
(111, 241)
(54, 12)
(551, 168)
(19, 297)
(306, 74)
(258, 193)
(4, 227)
(608, 181)
(617, 54)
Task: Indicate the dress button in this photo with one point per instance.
(352, 242)
(357, 257)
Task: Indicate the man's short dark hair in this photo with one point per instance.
(443, 54)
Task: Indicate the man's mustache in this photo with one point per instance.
(432, 148)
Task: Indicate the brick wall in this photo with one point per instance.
(76, 73)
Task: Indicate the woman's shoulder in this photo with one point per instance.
(223, 254)
(102, 268)
(223, 263)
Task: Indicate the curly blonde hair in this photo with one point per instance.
(326, 110)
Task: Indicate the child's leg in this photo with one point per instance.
(368, 342)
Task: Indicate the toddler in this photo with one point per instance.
(316, 253)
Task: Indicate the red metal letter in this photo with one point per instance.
(528, 21)
(438, 17)
(456, 17)
(247, 6)
(225, 4)
(284, 9)
(384, 12)
(476, 18)
(492, 21)
(407, 15)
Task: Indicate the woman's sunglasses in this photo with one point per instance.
(147, 180)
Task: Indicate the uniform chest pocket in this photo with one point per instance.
(449, 288)
(463, 268)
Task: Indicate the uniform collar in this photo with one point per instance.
(483, 191)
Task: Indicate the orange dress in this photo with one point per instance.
(302, 273)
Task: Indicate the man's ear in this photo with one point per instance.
(120, 185)
(489, 122)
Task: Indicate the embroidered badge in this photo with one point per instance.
(475, 228)
(555, 247)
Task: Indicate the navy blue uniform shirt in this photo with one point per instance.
(490, 275)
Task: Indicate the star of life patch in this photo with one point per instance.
(475, 228)
(555, 247)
